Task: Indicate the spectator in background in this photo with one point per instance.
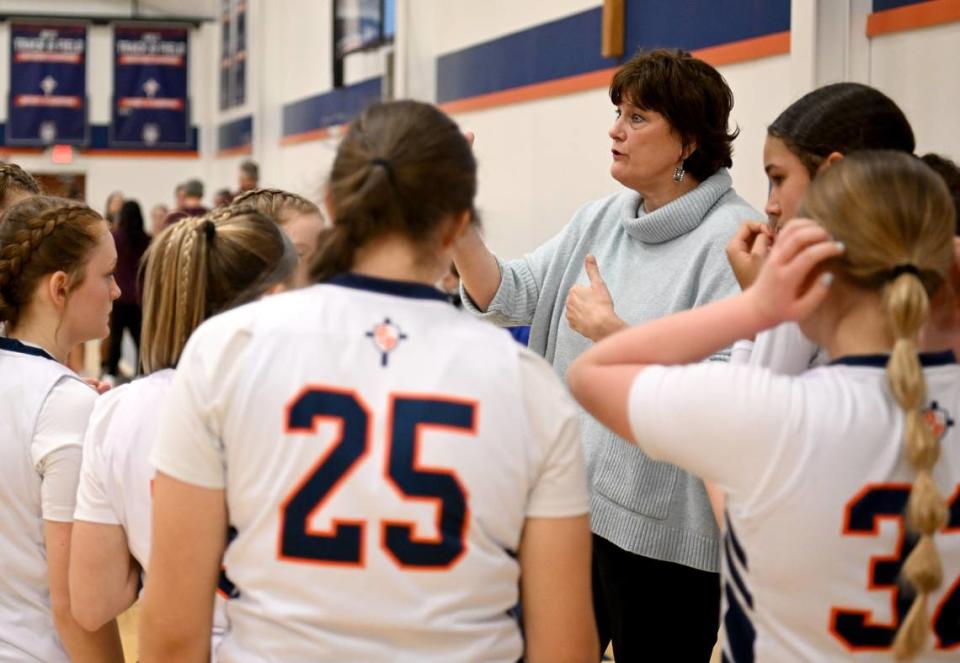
(192, 202)
(158, 216)
(132, 241)
(112, 210)
(179, 195)
(222, 197)
(249, 176)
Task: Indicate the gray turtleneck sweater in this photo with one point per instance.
(654, 264)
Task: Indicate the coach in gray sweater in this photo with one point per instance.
(659, 246)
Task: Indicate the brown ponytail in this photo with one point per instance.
(897, 219)
(38, 236)
(403, 168)
(199, 267)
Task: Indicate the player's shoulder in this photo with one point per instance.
(482, 339)
(144, 389)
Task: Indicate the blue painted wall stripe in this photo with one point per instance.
(237, 133)
(558, 49)
(100, 140)
(882, 5)
(571, 45)
(330, 108)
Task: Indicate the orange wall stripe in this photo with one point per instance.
(738, 51)
(747, 49)
(307, 136)
(913, 17)
(554, 88)
(165, 154)
(33, 151)
(234, 151)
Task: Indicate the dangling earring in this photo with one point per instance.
(678, 173)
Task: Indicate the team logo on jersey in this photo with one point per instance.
(386, 337)
(938, 419)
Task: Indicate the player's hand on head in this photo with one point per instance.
(589, 309)
(791, 283)
(747, 250)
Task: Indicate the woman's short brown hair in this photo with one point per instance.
(691, 95)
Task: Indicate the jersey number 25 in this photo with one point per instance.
(343, 544)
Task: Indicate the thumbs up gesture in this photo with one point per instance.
(590, 308)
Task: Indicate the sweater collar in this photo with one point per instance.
(677, 217)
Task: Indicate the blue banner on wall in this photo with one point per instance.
(150, 98)
(48, 84)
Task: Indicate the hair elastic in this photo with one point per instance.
(387, 166)
(209, 229)
(906, 268)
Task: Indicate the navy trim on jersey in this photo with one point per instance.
(737, 579)
(408, 289)
(13, 345)
(741, 634)
(732, 536)
(927, 359)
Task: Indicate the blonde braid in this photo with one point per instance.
(897, 220)
(908, 307)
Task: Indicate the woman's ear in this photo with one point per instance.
(57, 289)
(455, 229)
(832, 158)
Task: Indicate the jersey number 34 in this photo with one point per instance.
(343, 544)
(856, 628)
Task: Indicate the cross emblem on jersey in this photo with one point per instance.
(938, 419)
(386, 337)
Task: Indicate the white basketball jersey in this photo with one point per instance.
(817, 484)
(27, 631)
(115, 481)
(380, 457)
(116, 478)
